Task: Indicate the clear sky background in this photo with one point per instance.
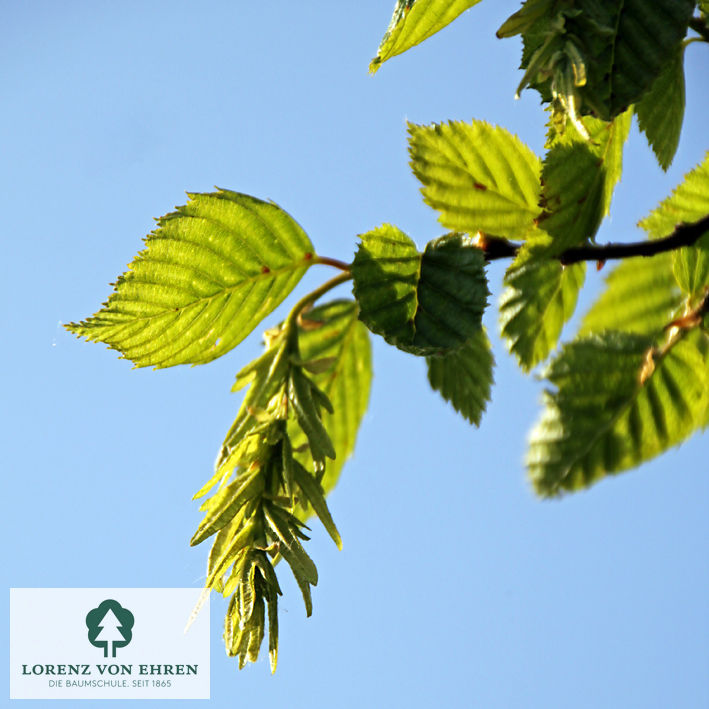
(456, 586)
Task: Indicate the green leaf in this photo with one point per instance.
(273, 631)
(307, 412)
(267, 376)
(616, 50)
(579, 177)
(426, 303)
(688, 203)
(290, 548)
(226, 503)
(314, 494)
(524, 18)
(416, 20)
(617, 403)
(641, 296)
(691, 266)
(240, 539)
(644, 41)
(661, 110)
(333, 332)
(540, 296)
(216, 560)
(464, 377)
(210, 273)
(479, 177)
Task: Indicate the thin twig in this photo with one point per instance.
(335, 263)
(684, 235)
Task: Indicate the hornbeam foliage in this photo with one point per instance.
(416, 20)
(424, 303)
(478, 177)
(633, 383)
(642, 296)
(210, 273)
(539, 298)
(618, 401)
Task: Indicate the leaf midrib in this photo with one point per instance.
(272, 274)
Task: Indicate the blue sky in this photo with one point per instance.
(456, 586)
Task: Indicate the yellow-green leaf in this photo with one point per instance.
(641, 296)
(688, 203)
(209, 274)
(416, 20)
(539, 297)
(479, 177)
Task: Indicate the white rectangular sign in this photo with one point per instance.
(108, 643)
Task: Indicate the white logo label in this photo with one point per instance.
(108, 643)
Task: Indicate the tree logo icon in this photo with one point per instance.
(110, 626)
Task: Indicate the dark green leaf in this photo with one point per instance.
(622, 46)
(210, 273)
(426, 303)
(661, 110)
(464, 377)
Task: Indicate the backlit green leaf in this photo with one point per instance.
(209, 274)
(426, 303)
(641, 296)
(579, 177)
(416, 20)
(661, 110)
(540, 296)
(464, 377)
(478, 176)
(691, 266)
(688, 203)
(615, 405)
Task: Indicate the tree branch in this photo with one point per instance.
(683, 235)
(699, 25)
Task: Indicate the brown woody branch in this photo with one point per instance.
(683, 235)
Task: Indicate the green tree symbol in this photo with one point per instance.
(110, 626)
